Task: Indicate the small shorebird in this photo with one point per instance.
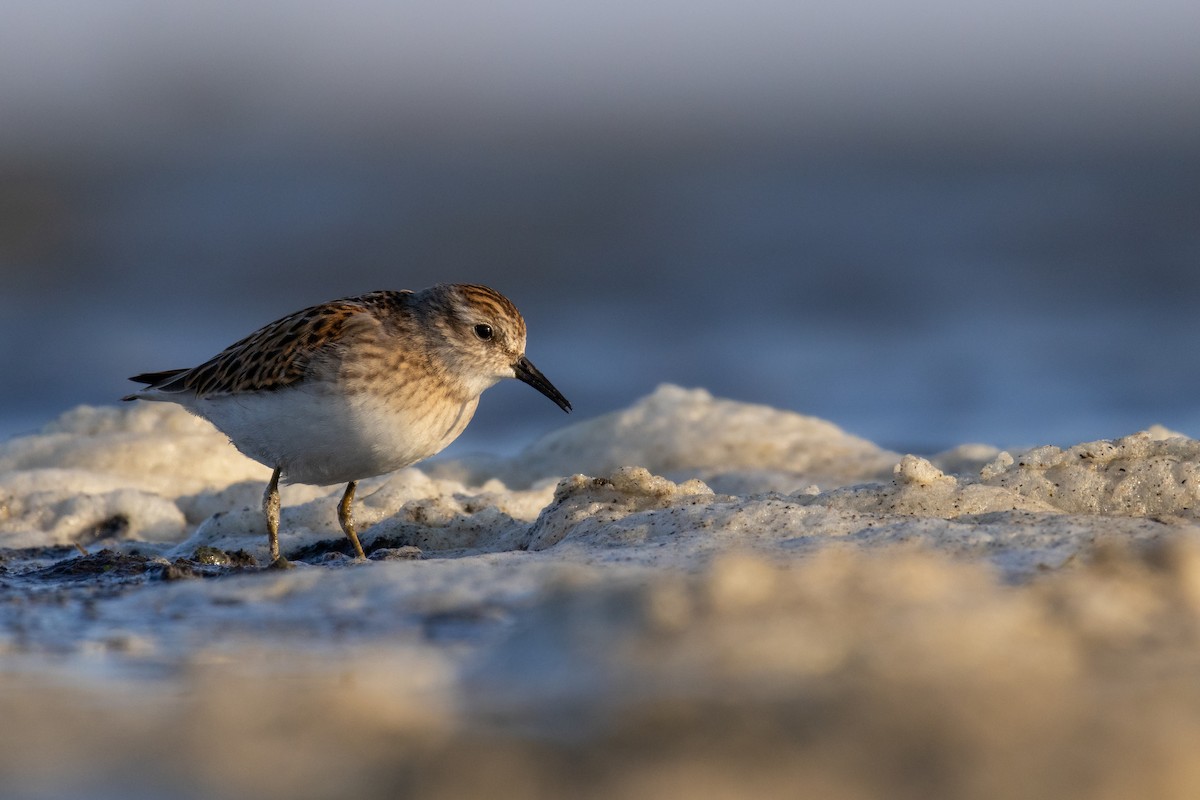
(356, 387)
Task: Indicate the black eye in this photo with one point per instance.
(484, 331)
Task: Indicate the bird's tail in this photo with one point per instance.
(165, 381)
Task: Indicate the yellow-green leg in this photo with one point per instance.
(271, 510)
(346, 518)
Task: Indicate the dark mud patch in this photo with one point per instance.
(215, 557)
(105, 564)
(382, 548)
(114, 527)
(67, 567)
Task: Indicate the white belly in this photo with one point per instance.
(322, 437)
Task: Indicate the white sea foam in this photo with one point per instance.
(678, 552)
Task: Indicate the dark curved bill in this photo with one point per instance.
(528, 373)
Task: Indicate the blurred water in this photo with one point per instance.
(930, 223)
(919, 303)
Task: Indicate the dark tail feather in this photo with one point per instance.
(155, 380)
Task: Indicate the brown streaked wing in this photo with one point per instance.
(280, 354)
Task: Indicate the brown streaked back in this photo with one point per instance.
(279, 354)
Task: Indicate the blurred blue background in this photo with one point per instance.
(930, 223)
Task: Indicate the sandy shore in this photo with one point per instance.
(688, 597)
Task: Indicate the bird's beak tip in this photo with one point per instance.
(525, 371)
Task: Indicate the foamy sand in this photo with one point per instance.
(691, 597)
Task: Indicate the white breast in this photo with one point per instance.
(322, 437)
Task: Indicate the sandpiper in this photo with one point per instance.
(355, 387)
